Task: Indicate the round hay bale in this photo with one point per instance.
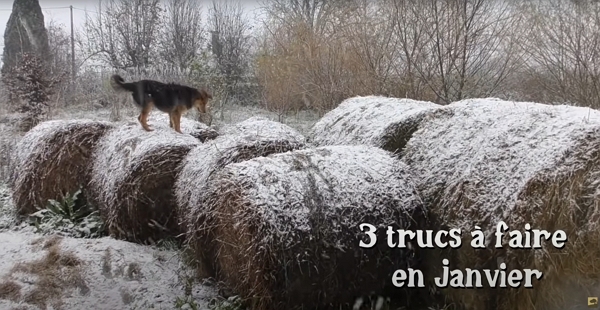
(132, 178)
(194, 128)
(251, 138)
(377, 121)
(481, 161)
(259, 125)
(51, 160)
(285, 229)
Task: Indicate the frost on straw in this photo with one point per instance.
(132, 178)
(480, 161)
(196, 129)
(373, 120)
(284, 229)
(52, 159)
(251, 138)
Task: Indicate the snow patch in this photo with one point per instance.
(344, 184)
(188, 126)
(369, 120)
(261, 126)
(35, 137)
(116, 274)
(254, 137)
(8, 217)
(124, 147)
(498, 146)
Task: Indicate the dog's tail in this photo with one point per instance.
(118, 84)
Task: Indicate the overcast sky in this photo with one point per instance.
(58, 11)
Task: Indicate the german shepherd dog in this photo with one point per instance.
(170, 98)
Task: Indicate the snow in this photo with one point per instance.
(497, 147)
(163, 270)
(253, 137)
(346, 183)
(188, 126)
(125, 147)
(368, 120)
(7, 210)
(42, 133)
(261, 126)
(288, 214)
(109, 280)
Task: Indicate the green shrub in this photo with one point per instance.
(72, 216)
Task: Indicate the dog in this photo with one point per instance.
(174, 99)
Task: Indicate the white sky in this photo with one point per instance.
(52, 11)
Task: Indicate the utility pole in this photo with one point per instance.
(72, 47)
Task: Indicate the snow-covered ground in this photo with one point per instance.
(51, 272)
(72, 273)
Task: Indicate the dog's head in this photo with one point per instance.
(201, 100)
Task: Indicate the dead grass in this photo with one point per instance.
(10, 290)
(55, 273)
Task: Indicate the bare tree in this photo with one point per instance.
(564, 45)
(368, 32)
(183, 34)
(315, 14)
(301, 63)
(124, 34)
(230, 41)
(59, 42)
(458, 48)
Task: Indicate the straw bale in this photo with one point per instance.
(284, 229)
(51, 160)
(194, 128)
(258, 125)
(251, 138)
(481, 161)
(133, 174)
(372, 120)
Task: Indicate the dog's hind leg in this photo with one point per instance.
(143, 118)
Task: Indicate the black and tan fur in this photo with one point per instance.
(171, 98)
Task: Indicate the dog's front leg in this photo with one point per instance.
(177, 121)
(171, 120)
(143, 118)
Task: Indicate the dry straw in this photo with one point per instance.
(373, 120)
(285, 228)
(132, 178)
(484, 160)
(251, 138)
(52, 159)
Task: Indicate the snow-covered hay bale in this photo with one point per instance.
(51, 160)
(478, 162)
(251, 138)
(378, 121)
(132, 178)
(198, 130)
(284, 229)
(259, 125)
